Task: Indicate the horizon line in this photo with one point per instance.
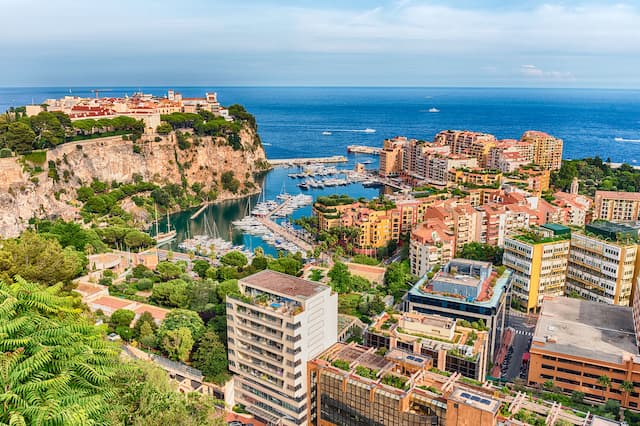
(276, 86)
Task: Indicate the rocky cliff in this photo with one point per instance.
(29, 190)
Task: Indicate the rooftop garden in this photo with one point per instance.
(367, 373)
(341, 364)
(533, 237)
(476, 325)
(456, 337)
(397, 382)
(430, 389)
(334, 200)
(455, 352)
(381, 204)
(440, 372)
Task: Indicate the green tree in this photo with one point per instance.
(164, 128)
(211, 358)
(259, 263)
(70, 234)
(234, 258)
(172, 293)
(147, 318)
(200, 267)
(121, 318)
(19, 137)
(340, 278)
(136, 239)
(168, 270)
(483, 252)
(605, 382)
(49, 132)
(201, 293)
(147, 337)
(55, 367)
(143, 395)
(39, 259)
(177, 343)
(182, 318)
(627, 387)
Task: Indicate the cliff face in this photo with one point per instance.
(25, 194)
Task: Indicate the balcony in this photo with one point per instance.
(276, 304)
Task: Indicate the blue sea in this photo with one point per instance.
(291, 122)
(291, 119)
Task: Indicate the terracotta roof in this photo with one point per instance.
(156, 312)
(618, 195)
(112, 302)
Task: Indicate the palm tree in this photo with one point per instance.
(55, 367)
(605, 382)
(626, 387)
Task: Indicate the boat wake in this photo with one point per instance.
(626, 140)
(266, 144)
(367, 130)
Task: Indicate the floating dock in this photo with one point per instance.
(199, 212)
(363, 149)
(310, 160)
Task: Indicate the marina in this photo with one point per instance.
(229, 214)
(291, 162)
(259, 223)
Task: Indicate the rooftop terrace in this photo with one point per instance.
(283, 285)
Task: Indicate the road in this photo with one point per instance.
(524, 326)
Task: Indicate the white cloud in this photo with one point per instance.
(415, 27)
(532, 71)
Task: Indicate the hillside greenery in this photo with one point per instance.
(595, 174)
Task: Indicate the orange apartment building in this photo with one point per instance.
(616, 206)
(576, 342)
(473, 144)
(547, 149)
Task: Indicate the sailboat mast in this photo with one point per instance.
(155, 208)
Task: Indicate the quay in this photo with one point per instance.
(199, 212)
(309, 160)
(279, 230)
(363, 149)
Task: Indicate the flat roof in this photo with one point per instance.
(474, 399)
(585, 329)
(556, 228)
(283, 284)
(498, 290)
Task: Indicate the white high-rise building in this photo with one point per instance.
(277, 324)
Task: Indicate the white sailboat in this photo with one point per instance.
(164, 237)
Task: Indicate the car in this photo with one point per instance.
(113, 337)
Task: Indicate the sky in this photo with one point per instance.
(491, 43)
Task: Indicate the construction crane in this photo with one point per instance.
(97, 91)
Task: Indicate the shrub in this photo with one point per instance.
(5, 153)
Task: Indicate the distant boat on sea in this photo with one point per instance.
(433, 109)
(368, 130)
(626, 140)
(266, 144)
(326, 133)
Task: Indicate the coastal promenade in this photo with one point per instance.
(308, 160)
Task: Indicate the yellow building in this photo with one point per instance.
(539, 264)
(603, 263)
(547, 149)
(478, 177)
